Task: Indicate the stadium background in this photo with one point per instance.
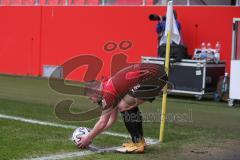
(33, 36)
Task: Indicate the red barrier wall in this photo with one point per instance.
(19, 40)
(34, 36)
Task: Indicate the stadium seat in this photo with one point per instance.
(63, 2)
(92, 2)
(16, 2)
(56, 2)
(28, 2)
(127, 2)
(77, 2)
(149, 2)
(5, 2)
(42, 2)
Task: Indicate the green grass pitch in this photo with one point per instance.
(195, 130)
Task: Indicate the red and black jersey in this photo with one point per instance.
(145, 80)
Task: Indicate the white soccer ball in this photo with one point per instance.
(78, 133)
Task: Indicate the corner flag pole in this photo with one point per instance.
(167, 59)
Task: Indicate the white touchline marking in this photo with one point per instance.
(36, 122)
(63, 155)
(149, 140)
(93, 150)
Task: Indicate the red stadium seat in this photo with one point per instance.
(128, 2)
(56, 2)
(92, 2)
(5, 2)
(77, 2)
(149, 2)
(63, 2)
(16, 2)
(28, 2)
(51, 2)
(42, 2)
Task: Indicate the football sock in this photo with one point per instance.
(133, 122)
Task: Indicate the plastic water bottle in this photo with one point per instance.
(203, 45)
(209, 45)
(218, 46)
(203, 50)
(224, 83)
(217, 53)
(209, 52)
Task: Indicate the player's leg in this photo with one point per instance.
(133, 121)
(132, 118)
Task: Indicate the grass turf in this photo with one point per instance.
(189, 123)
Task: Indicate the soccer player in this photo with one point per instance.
(124, 92)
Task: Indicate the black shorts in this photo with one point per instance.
(149, 90)
(134, 94)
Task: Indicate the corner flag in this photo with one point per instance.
(171, 26)
(171, 29)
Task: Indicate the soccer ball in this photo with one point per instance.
(78, 133)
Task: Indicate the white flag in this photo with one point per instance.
(171, 26)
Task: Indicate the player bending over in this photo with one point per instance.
(124, 92)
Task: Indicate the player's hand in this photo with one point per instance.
(84, 142)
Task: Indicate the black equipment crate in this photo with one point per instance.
(196, 77)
